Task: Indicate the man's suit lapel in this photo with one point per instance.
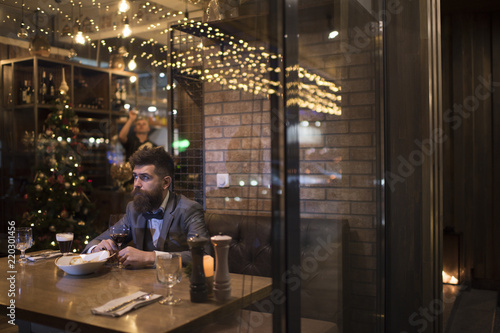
(168, 218)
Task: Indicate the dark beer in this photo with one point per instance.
(65, 240)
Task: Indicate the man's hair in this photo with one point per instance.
(157, 156)
(140, 118)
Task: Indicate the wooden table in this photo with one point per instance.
(46, 295)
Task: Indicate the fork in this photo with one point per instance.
(137, 299)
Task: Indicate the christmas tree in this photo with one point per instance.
(57, 198)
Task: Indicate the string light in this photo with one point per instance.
(241, 66)
(238, 65)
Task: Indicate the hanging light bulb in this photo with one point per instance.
(22, 33)
(132, 65)
(126, 32)
(123, 6)
(79, 39)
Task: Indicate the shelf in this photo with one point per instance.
(92, 111)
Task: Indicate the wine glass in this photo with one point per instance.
(24, 240)
(119, 233)
(169, 272)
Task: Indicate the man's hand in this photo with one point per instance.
(132, 115)
(106, 244)
(130, 256)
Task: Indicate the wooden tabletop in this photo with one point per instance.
(46, 295)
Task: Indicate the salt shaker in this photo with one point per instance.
(198, 282)
(222, 279)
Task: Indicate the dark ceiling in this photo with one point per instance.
(470, 5)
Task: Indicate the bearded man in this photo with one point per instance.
(159, 220)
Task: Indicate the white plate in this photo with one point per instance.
(91, 263)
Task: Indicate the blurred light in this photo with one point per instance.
(304, 123)
(162, 74)
(152, 108)
(132, 65)
(174, 111)
(318, 123)
(333, 34)
(133, 79)
(126, 32)
(242, 183)
(127, 106)
(237, 199)
(254, 183)
(79, 39)
(123, 6)
(182, 145)
(59, 138)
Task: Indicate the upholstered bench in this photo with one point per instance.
(323, 245)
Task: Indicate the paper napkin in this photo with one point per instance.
(105, 309)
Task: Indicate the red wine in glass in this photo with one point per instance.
(119, 233)
(119, 238)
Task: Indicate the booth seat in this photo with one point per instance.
(323, 247)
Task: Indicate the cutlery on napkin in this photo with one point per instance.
(44, 255)
(119, 306)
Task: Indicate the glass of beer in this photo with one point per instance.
(65, 239)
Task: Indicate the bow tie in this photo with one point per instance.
(158, 215)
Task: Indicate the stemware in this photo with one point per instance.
(169, 272)
(24, 240)
(119, 233)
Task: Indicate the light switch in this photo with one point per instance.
(222, 180)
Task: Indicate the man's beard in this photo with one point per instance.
(147, 201)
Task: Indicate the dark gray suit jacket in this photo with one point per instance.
(183, 218)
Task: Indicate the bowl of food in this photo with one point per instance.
(82, 264)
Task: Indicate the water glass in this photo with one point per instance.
(24, 240)
(169, 272)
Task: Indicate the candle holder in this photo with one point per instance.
(222, 279)
(198, 284)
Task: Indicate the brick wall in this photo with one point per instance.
(237, 142)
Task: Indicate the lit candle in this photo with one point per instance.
(208, 265)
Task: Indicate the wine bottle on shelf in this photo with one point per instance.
(123, 94)
(51, 88)
(22, 92)
(29, 92)
(43, 88)
(117, 98)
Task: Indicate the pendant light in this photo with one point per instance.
(79, 38)
(123, 6)
(39, 45)
(126, 32)
(22, 33)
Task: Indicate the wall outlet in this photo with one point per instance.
(222, 180)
